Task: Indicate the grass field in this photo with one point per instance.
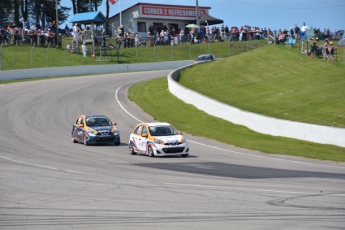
(277, 82)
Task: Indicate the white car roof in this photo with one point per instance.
(157, 123)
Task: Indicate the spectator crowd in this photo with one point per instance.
(24, 33)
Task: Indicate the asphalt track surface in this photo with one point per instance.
(47, 182)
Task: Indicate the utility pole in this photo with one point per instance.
(57, 21)
(92, 34)
(120, 13)
(197, 14)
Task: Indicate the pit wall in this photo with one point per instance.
(259, 123)
(88, 69)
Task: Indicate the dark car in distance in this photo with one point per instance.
(205, 58)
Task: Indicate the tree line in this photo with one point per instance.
(41, 12)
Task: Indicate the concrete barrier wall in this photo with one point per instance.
(256, 122)
(88, 69)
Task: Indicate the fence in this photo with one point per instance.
(38, 56)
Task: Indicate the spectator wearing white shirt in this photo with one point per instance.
(304, 29)
(84, 49)
(76, 31)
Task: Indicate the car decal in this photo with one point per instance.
(134, 145)
(148, 144)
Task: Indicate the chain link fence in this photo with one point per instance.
(41, 56)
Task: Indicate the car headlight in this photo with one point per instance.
(184, 140)
(157, 141)
(92, 132)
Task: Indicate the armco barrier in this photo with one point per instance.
(88, 69)
(256, 122)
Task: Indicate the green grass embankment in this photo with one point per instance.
(277, 82)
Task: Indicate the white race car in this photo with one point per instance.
(157, 139)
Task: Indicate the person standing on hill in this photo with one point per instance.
(84, 49)
(76, 31)
(292, 33)
(325, 49)
(331, 52)
(202, 32)
(297, 31)
(59, 41)
(54, 27)
(121, 31)
(304, 29)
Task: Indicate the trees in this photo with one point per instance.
(6, 8)
(81, 6)
(38, 12)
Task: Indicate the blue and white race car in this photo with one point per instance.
(157, 139)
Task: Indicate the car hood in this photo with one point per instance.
(173, 140)
(102, 128)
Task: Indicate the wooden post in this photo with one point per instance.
(307, 47)
(275, 35)
(93, 39)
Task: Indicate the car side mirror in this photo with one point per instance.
(115, 123)
(144, 135)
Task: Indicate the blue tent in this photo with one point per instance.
(88, 17)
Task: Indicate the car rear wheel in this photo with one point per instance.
(150, 152)
(85, 141)
(184, 155)
(131, 150)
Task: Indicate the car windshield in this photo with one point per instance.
(162, 130)
(203, 58)
(98, 121)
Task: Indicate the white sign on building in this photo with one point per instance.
(138, 18)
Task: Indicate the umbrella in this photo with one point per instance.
(207, 19)
(192, 26)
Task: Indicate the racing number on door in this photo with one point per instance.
(144, 139)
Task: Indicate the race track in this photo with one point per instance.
(47, 182)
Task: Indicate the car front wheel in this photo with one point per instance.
(74, 140)
(184, 155)
(150, 152)
(131, 150)
(85, 141)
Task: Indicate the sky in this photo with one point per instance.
(271, 14)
